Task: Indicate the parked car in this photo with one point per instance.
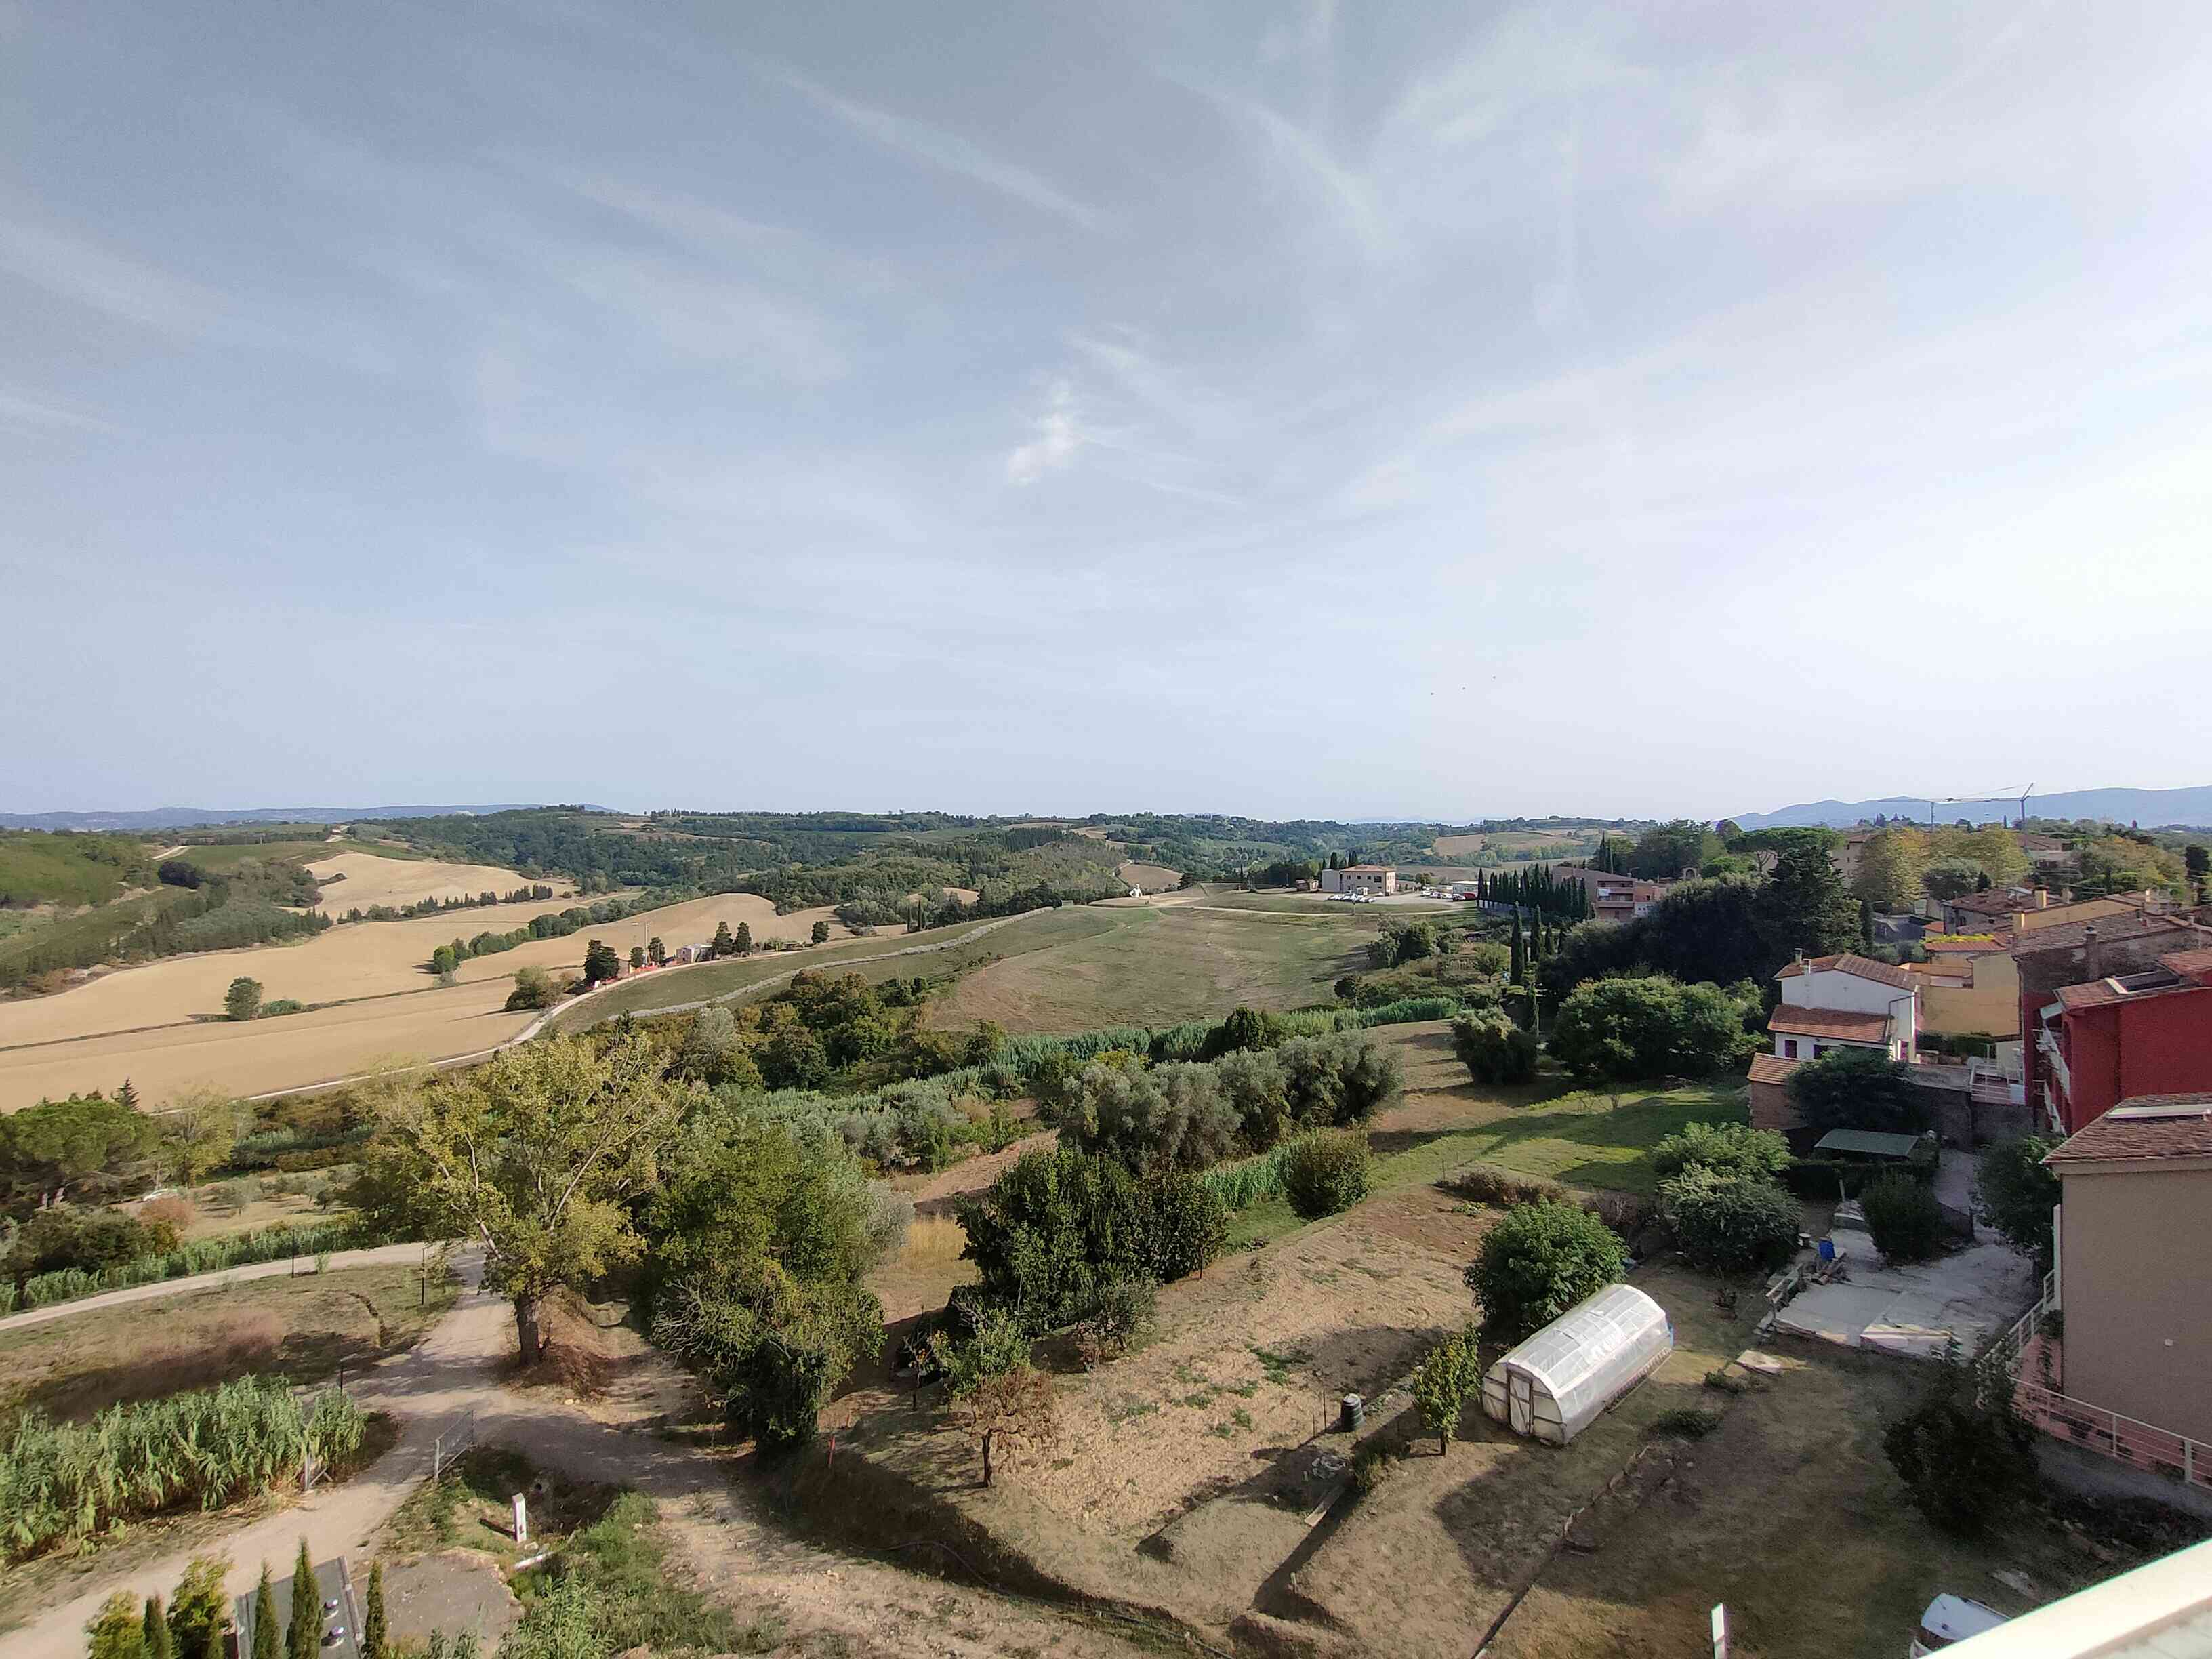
(1951, 1618)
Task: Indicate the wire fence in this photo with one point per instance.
(456, 1438)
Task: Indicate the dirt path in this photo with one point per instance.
(730, 1546)
(380, 1255)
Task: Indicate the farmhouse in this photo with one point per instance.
(1373, 879)
(1615, 897)
(1845, 1000)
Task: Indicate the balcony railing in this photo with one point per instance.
(2048, 1043)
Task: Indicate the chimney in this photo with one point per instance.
(1801, 958)
(2093, 954)
(2042, 898)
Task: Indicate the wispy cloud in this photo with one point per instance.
(949, 151)
(1059, 434)
(1302, 157)
(25, 414)
(81, 271)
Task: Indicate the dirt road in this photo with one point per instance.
(728, 1544)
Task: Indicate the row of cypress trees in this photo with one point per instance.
(192, 1627)
(1536, 887)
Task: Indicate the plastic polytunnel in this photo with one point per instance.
(1553, 1385)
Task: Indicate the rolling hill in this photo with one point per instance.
(2151, 808)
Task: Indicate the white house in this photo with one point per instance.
(1845, 1001)
(1375, 879)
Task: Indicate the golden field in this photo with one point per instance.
(369, 879)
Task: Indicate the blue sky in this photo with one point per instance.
(1376, 409)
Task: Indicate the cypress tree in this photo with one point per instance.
(1520, 969)
(372, 1617)
(265, 1616)
(306, 1636)
(158, 1645)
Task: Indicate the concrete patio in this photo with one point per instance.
(1914, 1311)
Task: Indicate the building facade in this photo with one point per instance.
(1375, 880)
(2125, 1035)
(1845, 1000)
(2077, 954)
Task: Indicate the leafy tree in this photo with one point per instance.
(199, 1608)
(998, 1397)
(1625, 1030)
(1804, 907)
(1851, 1088)
(1494, 1048)
(1731, 1223)
(1326, 1171)
(1964, 1454)
(374, 1636)
(1538, 1263)
(1903, 1216)
(268, 1640)
(117, 1631)
(819, 933)
(1951, 878)
(157, 1643)
(197, 1132)
(744, 939)
(443, 961)
(176, 872)
(1726, 1149)
(794, 1058)
(723, 944)
(46, 1149)
(1890, 866)
(533, 988)
(600, 963)
(1445, 1381)
(243, 1001)
(1665, 850)
(636, 956)
(536, 1155)
(655, 951)
(1170, 1117)
(2016, 1192)
(1698, 930)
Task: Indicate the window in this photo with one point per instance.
(1790, 1049)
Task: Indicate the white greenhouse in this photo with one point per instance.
(1557, 1382)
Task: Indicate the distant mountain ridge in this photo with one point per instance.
(2151, 808)
(186, 817)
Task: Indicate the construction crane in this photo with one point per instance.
(1980, 800)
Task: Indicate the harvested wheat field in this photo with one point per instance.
(1152, 877)
(268, 1054)
(361, 879)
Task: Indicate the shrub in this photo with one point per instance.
(1723, 1148)
(1326, 1171)
(1172, 1117)
(1903, 1216)
(2015, 1193)
(891, 1214)
(1445, 1381)
(175, 1211)
(1492, 1183)
(1731, 1223)
(1860, 1089)
(1964, 1455)
(1624, 1029)
(1494, 1048)
(1691, 1422)
(1538, 1263)
(533, 988)
(1120, 1322)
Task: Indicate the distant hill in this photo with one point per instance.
(184, 818)
(2151, 808)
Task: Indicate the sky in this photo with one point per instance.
(1337, 411)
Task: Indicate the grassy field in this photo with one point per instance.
(1158, 965)
(298, 1328)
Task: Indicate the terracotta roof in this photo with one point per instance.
(1997, 902)
(2192, 964)
(1845, 963)
(2073, 935)
(1772, 1069)
(1967, 943)
(2147, 1127)
(2095, 994)
(1838, 1023)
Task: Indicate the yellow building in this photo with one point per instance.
(1969, 986)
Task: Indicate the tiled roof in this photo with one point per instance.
(2193, 965)
(1996, 902)
(1845, 963)
(1967, 945)
(2147, 1127)
(2095, 994)
(1838, 1023)
(1772, 1069)
(2073, 935)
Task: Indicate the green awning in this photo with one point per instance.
(1870, 1143)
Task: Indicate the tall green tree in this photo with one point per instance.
(1805, 907)
(536, 1156)
(198, 1608)
(655, 951)
(117, 1631)
(304, 1637)
(46, 1149)
(744, 940)
(723, 944)
(156, 1625)
(374, 1638)
(267, 1639)
(243, 1001)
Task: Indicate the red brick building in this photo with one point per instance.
(2145, 1032)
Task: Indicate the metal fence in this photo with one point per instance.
(456, 1438)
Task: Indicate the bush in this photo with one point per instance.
(1443, 1383)
(533, 988)
(1731, 1223)
(1626, 1029)
(174, 1212)
(1903, 1216)
(1120, 1322)
(2015, 1193)
(1326, 1171)
(1723, 1148)
(1494, 1048)
(1860, 1089)
(1492, 1183)
(1538, 1263)
(1690, 1422)
(1964, 1455)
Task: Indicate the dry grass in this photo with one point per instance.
(301, 1327)
(178, 1212)
(1152, 877)
(933, 1240)
(372, 879)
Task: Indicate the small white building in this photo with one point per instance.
(1555, 1384)
(1373, 879)
(1845, 1001)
